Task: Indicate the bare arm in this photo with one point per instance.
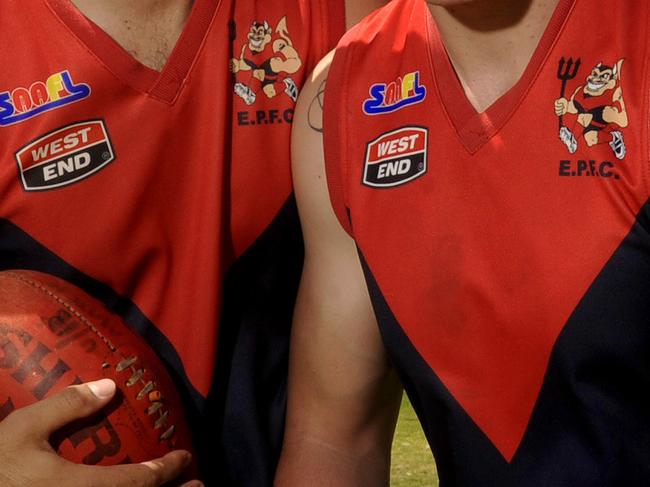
(343, 395)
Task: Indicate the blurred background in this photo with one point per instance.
(412, 463)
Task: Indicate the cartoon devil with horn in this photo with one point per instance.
(598, 105)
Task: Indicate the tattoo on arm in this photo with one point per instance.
(315, 116)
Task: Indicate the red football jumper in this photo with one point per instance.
(507, 253)
(144, 188)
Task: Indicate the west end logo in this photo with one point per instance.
(396, 157)
(21, 103)
(389, 97)
(65, 156)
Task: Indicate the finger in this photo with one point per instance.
(193, 483)
(147, 474)
(44, 417)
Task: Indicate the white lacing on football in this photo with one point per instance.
(147, 390)
(126, 364)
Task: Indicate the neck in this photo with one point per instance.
(148, 29)
(490, 42)
(357, 10)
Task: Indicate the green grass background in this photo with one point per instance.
(412, 464)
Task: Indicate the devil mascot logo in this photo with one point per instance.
(597, 106)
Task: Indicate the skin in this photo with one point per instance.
(147, 29)
(490, 42)
(28, 459)
(355, 10)
(340, 417)
(344, 395)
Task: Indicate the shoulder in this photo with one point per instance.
(356, 10)
(370, 18)
(317, 77)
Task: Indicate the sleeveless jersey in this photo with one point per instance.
(507, 253)
(157, 194)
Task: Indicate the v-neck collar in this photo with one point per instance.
(164, 85)
(475, 129)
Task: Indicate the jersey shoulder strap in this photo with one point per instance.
(375, 49)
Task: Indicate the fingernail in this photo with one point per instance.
(102, 388)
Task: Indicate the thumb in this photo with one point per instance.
(48, 415)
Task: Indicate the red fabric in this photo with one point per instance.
(483, 259)
(162, 222)
(312, 24)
